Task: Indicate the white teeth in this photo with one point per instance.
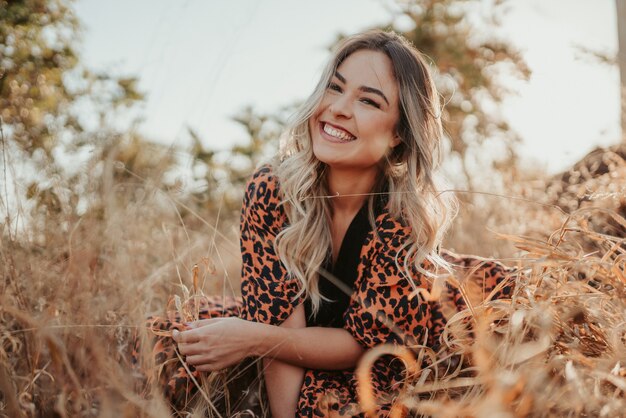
(337, 133)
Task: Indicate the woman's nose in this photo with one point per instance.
(341, 106)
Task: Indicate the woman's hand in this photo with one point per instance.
(214, 344)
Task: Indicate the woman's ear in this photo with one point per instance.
(395, 141)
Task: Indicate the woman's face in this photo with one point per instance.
(354, 125)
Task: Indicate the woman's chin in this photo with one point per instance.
(328, 156)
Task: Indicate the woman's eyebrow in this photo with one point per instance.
(363, 88)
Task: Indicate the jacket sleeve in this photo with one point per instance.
(266, 289)
(384, 307)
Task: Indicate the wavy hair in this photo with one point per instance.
(407, 173)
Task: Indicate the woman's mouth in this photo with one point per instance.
(335, 134)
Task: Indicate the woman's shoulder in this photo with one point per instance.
(263, 186)
(391, 231)
(262, 201)
(264, 173)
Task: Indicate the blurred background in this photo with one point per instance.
(201, 63)
(190, 96)
(530, 87)
(130, 128)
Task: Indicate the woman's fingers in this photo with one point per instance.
(186, 337)
(193, 341)
(194, 330)
(191, 349)
(215, 344)
(203, 363)
(199, 360)
(210, 367)
(202, 322)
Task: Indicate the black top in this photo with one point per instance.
(344, 272)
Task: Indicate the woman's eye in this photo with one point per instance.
(371, 103)
(334, 87)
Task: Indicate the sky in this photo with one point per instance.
(200, 62)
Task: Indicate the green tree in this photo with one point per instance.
(36, 50)
(468, 59)
(222, 174)
(41, 76)
(45, 90)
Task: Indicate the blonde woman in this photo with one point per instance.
(337, 234)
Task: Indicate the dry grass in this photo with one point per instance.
(558, 348)
(75, 289)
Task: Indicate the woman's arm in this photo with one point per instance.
(312, 347)
(283, 381)
(214, 344)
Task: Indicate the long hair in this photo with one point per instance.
(407, 173)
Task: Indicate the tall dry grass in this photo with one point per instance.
(558, 348)
(75, 290)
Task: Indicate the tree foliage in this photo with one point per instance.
(469, 60)
(42, 78)
(37, 51)
(56, 113)
(220, 175)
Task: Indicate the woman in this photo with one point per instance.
(340, 236)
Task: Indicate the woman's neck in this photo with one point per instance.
(350, 189)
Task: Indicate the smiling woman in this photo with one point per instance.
(340, 240)
(354, 126)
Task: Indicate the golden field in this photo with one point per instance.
(75, 289)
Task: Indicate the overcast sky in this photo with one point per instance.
(200, 62)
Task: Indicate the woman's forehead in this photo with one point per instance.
(369, 68)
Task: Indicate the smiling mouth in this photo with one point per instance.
(336, 134)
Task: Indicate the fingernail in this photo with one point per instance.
(175, 334)
(189, 324)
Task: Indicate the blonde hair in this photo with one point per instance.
(407, 173)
